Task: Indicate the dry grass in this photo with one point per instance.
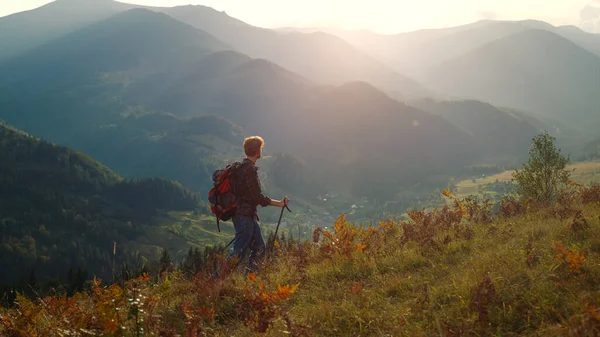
(453, 272)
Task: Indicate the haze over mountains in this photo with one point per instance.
(327, 59)
(534, 70)
(428, 47)
(197, 61)
(316, 56)
(496, 61)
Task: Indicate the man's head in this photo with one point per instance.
(253, 146)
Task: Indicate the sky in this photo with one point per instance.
(383, 16)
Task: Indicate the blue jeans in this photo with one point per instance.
(247, 236)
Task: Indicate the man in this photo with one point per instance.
(249, 195)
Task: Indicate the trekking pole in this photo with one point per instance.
(229, 244)
(279, 222)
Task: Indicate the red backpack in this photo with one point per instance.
(222, 196)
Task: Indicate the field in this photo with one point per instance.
(583, 173)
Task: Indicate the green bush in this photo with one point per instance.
(544, 175)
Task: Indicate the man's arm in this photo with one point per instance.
(253, 185)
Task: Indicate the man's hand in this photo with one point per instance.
(280, 203)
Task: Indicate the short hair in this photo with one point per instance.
(252, 145)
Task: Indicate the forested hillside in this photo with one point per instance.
(61, 210)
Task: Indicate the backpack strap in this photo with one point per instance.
(216, 209)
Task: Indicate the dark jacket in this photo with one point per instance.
(247, 190)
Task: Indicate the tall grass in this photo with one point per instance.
(529, 270)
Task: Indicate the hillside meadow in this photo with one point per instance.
(456, 271)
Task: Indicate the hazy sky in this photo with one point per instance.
(386, 16)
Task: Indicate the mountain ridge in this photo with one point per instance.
(306, 58)
(527, 76)
(50, 18)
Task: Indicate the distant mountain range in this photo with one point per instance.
(316, 56)
(534, 70)
(90, 78)
(529, 65)
(421, 49)
(139, 78)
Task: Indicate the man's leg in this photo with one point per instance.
(257, 247)
(243, 236)
(240, 244)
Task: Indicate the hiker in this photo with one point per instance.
(249, 195)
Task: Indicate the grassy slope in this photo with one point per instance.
(393, 299)
(584, 173)
(402, 289)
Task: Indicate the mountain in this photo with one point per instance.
(85, 70)
(588, 41)
(137, 116)
(255, 93)
(317, 123)
(264, 97)
(412, 52)
(315, 56)
(320, 57)
(85, 90)
(61, 209)
(163, 145)
(231, 74)
(569, 139)
(369, 144)
(136, 43)
(534, 71)
(122, 91)
(23, 31)
(502, 135)
(498, 134)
